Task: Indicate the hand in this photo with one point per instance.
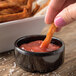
(62, 12)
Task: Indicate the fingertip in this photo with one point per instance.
(47, 21)
(48, 17)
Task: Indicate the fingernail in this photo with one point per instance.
(59, 22)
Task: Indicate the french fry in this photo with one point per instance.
(18, 2)
(49, 35)
(16, 16)
(10, 10)
(35, 9)
(5, 5)
(29, 4)
(42, 12)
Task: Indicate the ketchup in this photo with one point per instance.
(35, 47)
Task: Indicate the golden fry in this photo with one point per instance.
(29, 4)
(10, 17)
(18, 2)
(10, 10)
(4, 5)
(49, 35)
(35, 9)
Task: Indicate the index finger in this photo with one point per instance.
(53, 9)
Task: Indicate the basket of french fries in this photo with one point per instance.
(20, 18)
(19, 9)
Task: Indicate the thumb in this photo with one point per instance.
(66, 16)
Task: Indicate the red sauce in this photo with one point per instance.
(35, 47)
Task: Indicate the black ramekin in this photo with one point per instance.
(39, 62)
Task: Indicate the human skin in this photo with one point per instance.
(62, 12)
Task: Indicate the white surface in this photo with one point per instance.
(41, 2)
(11, 31)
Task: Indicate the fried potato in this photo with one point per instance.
(4, 4)
(16, 16)
(18, 2)
(42, 12)
(29, 4)
(35, 9)
(43, 7)
(29, 7)
(10, 10)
